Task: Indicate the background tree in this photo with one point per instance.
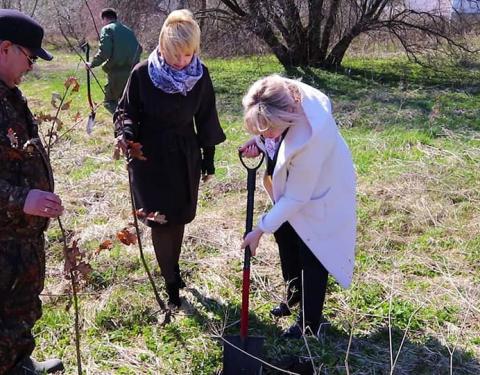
(319, 32)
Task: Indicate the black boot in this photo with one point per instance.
(295, 331)
(283, 309)
(280, 310)
(181, 283)
(31, 366)
(173, 291)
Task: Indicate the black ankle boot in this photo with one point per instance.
(173, 291)
(295, 331)
(281, 310)
(181, 283)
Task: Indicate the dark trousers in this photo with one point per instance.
(22, 274)
(296, 257)
(117, 80)
(167, 243)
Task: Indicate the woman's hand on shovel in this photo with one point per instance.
(249, 149)
(252, 239)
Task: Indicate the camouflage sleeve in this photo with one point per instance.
(12, 199)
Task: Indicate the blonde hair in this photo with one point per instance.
(180, 32)
(271, 102)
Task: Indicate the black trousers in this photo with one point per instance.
(167, 243)
(296, 257)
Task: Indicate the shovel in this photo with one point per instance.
(91, 118)
(235, 361)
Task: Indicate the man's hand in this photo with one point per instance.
(252, 239)
(43, 203)
(88, 66)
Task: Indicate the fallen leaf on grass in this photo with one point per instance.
(105, 245)
(127, 236)
(77, 117)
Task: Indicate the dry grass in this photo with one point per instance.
(416, 287)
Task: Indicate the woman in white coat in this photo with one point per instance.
(312, 186)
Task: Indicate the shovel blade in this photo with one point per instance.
(90, 123)
(236, 362)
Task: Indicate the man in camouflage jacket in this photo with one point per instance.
(27, 201)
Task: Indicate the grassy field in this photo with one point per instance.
(414, 306)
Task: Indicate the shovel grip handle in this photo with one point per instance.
(250, 200)
(89, 93)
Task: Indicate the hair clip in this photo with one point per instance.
(262, 108)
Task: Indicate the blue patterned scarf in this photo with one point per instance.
(170, 80)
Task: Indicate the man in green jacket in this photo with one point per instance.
(118, 51)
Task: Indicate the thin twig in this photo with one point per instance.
(160, 302)
(347, 354)
(34, 8)
(80, 56)
(49, 146)
(75, 300)
(73, 126)
(303, 328)
(390, 324)
(93, 19)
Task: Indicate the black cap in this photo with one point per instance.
(22, 30)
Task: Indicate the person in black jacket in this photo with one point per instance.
(168, 106)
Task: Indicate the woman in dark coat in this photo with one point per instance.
(168, 106)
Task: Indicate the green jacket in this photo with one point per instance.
(119, 48)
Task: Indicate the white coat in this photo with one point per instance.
(314, 187)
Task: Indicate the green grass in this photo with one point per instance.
(415, 139)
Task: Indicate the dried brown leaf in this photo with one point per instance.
(72, 81)
(127, 236)
(66, 106)
(135, 150)
(105, 245)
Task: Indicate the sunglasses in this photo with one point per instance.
(31, 59)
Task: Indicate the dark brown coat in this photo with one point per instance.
(172, 129)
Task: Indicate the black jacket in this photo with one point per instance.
(173, 129)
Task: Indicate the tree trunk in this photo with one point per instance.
(336, 55)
